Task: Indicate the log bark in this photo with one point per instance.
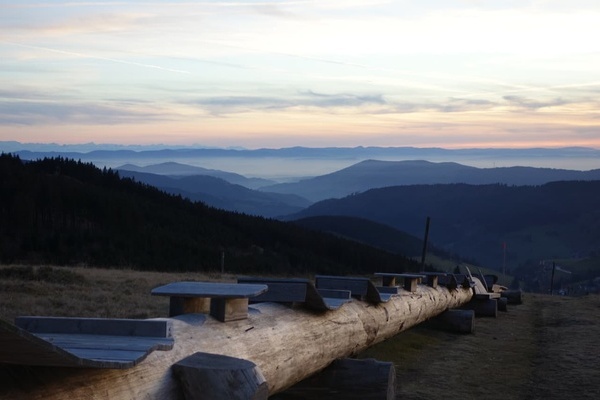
(287, 344)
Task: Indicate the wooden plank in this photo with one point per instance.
(19, 346)
(96, 326)
(214, 290)
(280, 290)
(357, 286)
(325, 300)
(107, 342)
(361, 288)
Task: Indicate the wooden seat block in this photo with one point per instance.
(206, 376)
(410, 280)
(224, 301)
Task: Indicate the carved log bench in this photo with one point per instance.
(361, 288)
(224, 301)
(297, 290)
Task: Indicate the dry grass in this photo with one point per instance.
(86, 292)
(546, 348)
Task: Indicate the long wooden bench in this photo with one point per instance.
(224, 301)
(410, 280)
(82, 342)
(361, 288)
(297, 290)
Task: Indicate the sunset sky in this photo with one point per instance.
(455, 74)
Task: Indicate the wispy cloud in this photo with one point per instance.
(95, 57)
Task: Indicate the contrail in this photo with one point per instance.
(82, 55)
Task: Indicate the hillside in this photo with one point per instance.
(368, 232)
(372, 174)
(555, 220)
(62, 212)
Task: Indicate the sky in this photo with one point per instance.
(427, 73)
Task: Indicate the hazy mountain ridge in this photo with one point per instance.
(179, 170)
(219, 193)
(371, 174)
(558, 219)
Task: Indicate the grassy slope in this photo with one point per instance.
(545, 348)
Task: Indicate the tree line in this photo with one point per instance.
(65, 212)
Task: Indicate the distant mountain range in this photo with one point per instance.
(179, 170)
(376, 174)
(554, 220)
(285, 164)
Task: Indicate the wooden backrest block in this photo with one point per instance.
(96, 326)
(357, 286)
(280, 290)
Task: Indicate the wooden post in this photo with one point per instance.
(206, 376)
(424, 253)
(347, 379)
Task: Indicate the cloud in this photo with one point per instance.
(528, 104)
(30, 113)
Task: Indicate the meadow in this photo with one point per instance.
(545, 348)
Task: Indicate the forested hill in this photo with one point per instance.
(554, 220)
(60, 211)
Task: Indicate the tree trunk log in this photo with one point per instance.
(287, 344)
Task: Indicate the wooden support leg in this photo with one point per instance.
(347, 379)
(229, 309)
(432, 280)
(502, 304)
(513, 296)
(458, 321)
(388, 281)
(484, 308)
(188, 305)
(206, 376)
(410, 284)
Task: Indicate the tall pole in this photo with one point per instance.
(425, 245)
(552, 277)
(503, 258)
